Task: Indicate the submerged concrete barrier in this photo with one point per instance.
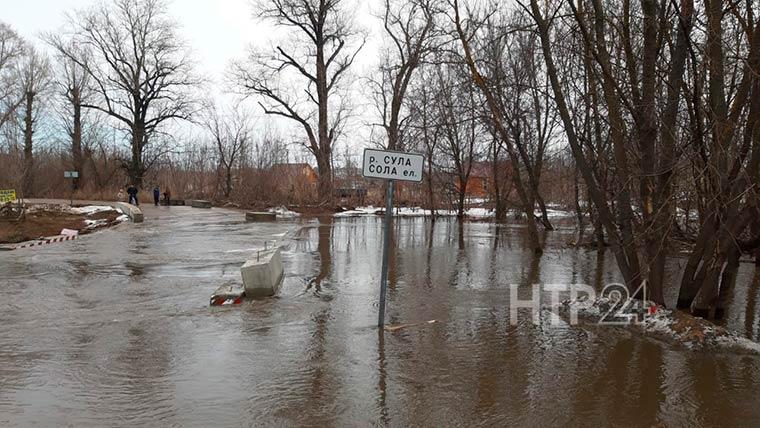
(260, 216)
(199, 203)
(132, 211)
(263, 274)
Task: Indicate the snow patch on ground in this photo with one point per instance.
(283, 212)
(478, 213)
(557, 213)
(738, 343)
(122, 218)
(94, 224)
(370, 210)
(91, 209)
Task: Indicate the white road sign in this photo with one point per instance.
(71, 174)
(392, 165)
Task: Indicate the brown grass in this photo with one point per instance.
(48, 222)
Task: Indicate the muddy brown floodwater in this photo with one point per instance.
(115, 330)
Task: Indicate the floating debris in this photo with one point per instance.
(398, 327)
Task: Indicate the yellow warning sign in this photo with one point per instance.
(7, 196)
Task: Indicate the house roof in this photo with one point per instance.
(291, 168)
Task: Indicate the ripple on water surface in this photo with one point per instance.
(115, 329)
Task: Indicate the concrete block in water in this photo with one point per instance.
(199, 203)
(260, 216)
(132, 211)
(262, 274)
(227, 295)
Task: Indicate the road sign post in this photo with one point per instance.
(73, 175)
(388, 223)
(391, 166)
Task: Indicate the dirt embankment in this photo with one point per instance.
(49, 220)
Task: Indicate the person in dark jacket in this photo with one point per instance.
(132, 192)
(168, 197)
(156, 195)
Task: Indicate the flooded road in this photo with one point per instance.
(115, 330)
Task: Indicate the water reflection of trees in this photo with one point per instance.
(324, 249)
(750, 313)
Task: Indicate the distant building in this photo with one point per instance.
(480, 181)
(480, 184)
(294, 177)
(349, 184)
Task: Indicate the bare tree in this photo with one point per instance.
(465, 32)
(508, 59)
(641, 86)
(231, 131)
(424, 128)
(320, 56)
(411, 31)
(268, 149)
(12, 47)
(461, 131)
(74, 85)
(35, 78)
(727, 143)
(139, 67)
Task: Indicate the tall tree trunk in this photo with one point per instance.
(76, 137)
(578, 210)
(601, 244)
(461, 197)
(500, 208)
(136, 168)
(228, 181)
(756, 232)
(655, 236)
(533, 171)
(324, 184)
(710, 265)
(28, 178)
(727, 282)
(324, 161)
(624, 215)
(431, 199)
(536, 195)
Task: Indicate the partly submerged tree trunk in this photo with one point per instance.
(324, 183)
(622, 242)
(496, 117)
(431, 198)
(579, 214)
(500, 209)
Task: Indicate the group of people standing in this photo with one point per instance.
(132, 192)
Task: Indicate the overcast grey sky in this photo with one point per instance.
(218, 31)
